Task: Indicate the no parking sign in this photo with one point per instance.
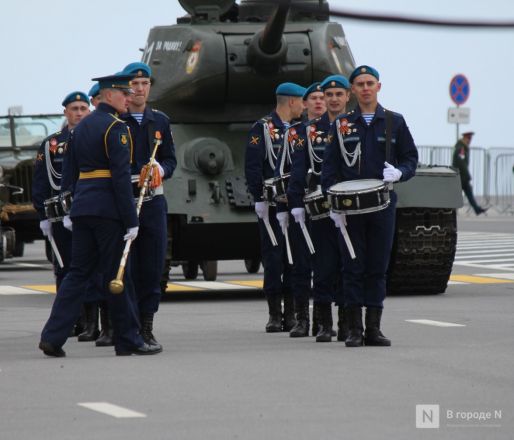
(459, 89)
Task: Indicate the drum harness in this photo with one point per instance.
(52, 173)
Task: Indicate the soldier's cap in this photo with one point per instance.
(94, 91)
(314, 87)
(468, 134)
(290, 89)
(335, 81)
(118, 81)
(139, 70)
(75, 96)
(361, 70)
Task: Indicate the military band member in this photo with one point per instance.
(103, 215)
(94, 93)
(265, 140)
(148, 127)
(314, 102)
(359, 150)
(305, 173)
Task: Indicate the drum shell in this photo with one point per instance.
(136, 190)
(268, 191)
(66, 199)
(317, 205)
(359, 201)
(281, 183)
(53, 209)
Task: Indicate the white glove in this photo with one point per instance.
(283, 219)
(391, 174)
(131, 233)
(261, 209)
(67, 223)
(298, 214)
(161, 169)
(46, 228)
(338, 218)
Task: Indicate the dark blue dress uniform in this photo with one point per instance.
(301, 268)
(98, 173)
(260, 164)
(327, 259)
(149, 249)
(46, 184)
(364, 278)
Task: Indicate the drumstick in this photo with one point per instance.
(307, 238)
(56, 251)
(270, 232)
(288, 248)
(347, 239)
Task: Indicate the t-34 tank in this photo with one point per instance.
(215, 73)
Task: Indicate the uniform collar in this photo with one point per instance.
(379, 112)
(147, 114)
(275, 118)
(107, 108)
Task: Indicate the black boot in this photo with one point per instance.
(373, 336)
(355, 328)
(80, 325)
(274, 324)
(288, 319)
(342, 324)
(147, 329)
(105, 338)
(325, 323)
(91, 331)
(301, 329)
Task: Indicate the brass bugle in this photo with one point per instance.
(116, 286)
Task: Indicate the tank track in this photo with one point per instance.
(423, 251)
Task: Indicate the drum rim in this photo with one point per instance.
(383, 185)
(364, 210)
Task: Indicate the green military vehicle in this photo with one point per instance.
(215, 73)
(20, 138)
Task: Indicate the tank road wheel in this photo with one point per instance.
(210, 270)
(190, 270)
(252, 265)
(423, 251)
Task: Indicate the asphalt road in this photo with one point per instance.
(222, 377)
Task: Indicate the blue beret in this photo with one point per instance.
(139, 70)
(75, 96)
(95, 90)
(117, 81)
(315, 87)
(361, 70)
(290, 89)
(335, 81)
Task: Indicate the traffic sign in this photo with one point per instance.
(458, 115)
(459, 89)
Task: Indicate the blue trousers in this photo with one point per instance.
(148, 253)
(97, 245)
(326, 262)
(372, 234)
(301, 271)
(277, 271)
(63, 241)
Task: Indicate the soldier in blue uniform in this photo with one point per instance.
(147, 127)
(103, 215)
(326, 260)
(46, 185)
(94, 93)
(359, 149)
(265, 140)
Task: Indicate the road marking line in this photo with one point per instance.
(455, 283)
(434, 323)
(173, 287)
(478, 279)
(211, 285)
(111, 410)
(506, 276)
(48, 288)
(13, 290)
(248, 283)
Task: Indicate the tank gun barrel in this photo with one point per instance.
(268, 49)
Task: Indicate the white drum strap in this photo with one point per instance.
(286, 152)
(270, 154)
(350, 158)
(313, 157)
(51, 170)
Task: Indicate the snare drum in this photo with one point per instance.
(53, 209)
(136, 190)
(269, 191)
(281, 184)
(359, 196)
(317, 205)
(66, 200)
